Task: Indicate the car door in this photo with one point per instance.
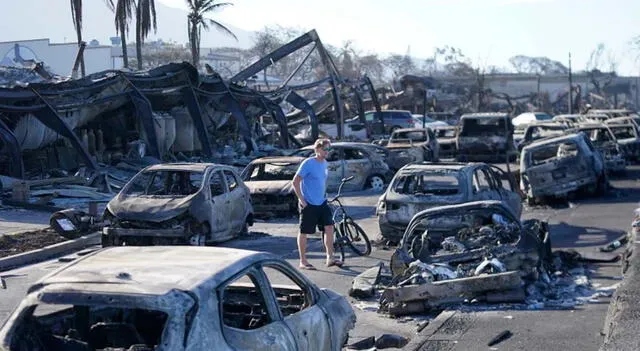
(483, 188)
(508, 189)
(358, 165)
(306, 320)
(220, 209)
(237, 198)
(335, 168)
(249, 317)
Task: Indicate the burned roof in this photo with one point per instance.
(151, 270)
(411, 130)
(192, 167)
(422, 166)
(551, 140)
(279, 159)
(485, 115)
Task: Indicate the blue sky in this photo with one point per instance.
(487, 31)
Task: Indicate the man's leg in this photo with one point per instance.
(328, 242)
(302, 248)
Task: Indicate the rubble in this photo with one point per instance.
(364, 284)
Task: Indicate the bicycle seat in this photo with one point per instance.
(344, 180)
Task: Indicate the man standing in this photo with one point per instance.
(314, 210)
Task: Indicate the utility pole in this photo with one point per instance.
(570, 87)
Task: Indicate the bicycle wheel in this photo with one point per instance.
(338, 243)
(356, 237)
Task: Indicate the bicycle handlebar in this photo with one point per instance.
(344, 180)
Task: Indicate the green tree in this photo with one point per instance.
(123, 10)
(145, 21)
(196, 22)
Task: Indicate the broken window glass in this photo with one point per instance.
(242, 304)
(165, 183)
(552, 151)
(623, 132)
(478, 127)
(52, 327)
(353, 154)
(291, 296)
(216, 184)
(429, 183)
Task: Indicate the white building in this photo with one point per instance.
(59, 58)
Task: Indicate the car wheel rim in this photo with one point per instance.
(377, 183)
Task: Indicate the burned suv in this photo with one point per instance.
(420, 186)
(179, 203)
(485, 137)
(421, 138)
(558, 166)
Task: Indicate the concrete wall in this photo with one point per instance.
(59, 58)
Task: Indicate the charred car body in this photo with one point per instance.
(421, 186)
(422, 138)
(626, 132)
(446, 137)
(194, 203)
(269, 180)
(178, 298)
(558, 166)
(361, 160)
(484, 137)
(604, 140)
(537, 131)
(472, 240)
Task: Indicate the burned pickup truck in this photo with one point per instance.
(556, 167)
(178, 299)
(485, 137)
(446, 137)
(421, 186)
(179, 203)
(451, 253)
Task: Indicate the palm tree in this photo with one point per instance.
(145, 21)
(123, 13)
(76, 15)
(196, 22)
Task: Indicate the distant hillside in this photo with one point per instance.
(33, 19)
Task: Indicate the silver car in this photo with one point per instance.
(178, 299)
(179, 203)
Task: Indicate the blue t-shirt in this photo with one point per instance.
(314, 180)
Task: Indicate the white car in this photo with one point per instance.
(530, 117)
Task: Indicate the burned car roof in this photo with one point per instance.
(193, 167)
(279, 159)
(416, 167)
(551, 140)
(150, 270)
(399, 130)
(485, 115)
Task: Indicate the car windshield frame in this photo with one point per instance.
(170, 188)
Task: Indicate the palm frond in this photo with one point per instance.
(219, 26)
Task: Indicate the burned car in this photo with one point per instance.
(179, 203)
(626, 132)
(421, 186)
(604, 140)
(446, 137)
(178, 298)
(569, 120)
(360, 160)
(556, 167)
(466, 243)
(422, 138)
(537, 131)
(485, 137)
(269, 180)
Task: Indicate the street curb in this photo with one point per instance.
(47, 252)
(421, 338)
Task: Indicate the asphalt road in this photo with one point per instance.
(583, 224)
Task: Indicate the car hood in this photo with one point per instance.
(149, 208)
(271, 187)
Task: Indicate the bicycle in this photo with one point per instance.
(346, 231)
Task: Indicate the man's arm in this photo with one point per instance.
(296, 188)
